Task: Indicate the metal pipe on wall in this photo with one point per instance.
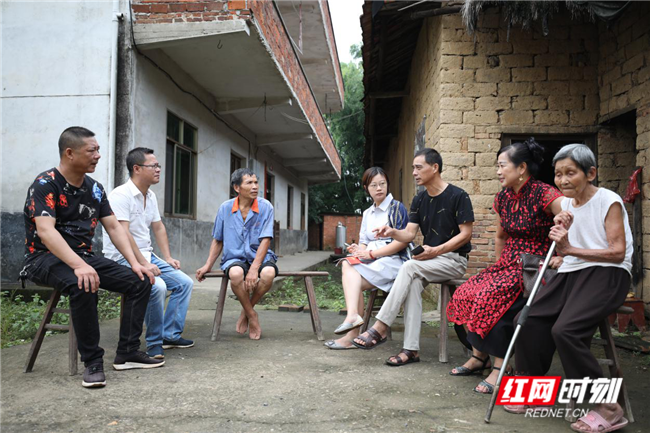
(112, 128)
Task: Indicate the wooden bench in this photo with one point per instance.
(372, 307)
(309, 287)
(447, 289)
(50, 310)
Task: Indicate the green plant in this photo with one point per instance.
(20, 318)
(329, 292)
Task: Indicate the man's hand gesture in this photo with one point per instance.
(152, 268)
(429, 253)
(250, 282)
(200, 273)
(87, 278)
(173, 262)
(142, 271)
(384, 232)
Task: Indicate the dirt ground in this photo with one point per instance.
(288, 381)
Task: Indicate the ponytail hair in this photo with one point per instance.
(529, 151)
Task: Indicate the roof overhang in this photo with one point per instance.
(232, 61)
(309, 24)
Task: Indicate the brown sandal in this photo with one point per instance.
(373, 335)
(410, 357)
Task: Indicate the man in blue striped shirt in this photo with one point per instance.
(243, 230)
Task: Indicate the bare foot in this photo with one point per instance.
(611, 412)
(254, 329)
(242, 323)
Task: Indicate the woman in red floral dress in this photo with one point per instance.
(488, 302)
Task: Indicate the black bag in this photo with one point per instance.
(531, 264)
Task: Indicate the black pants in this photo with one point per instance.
(496, 342)
(48, 270)
(564, 316)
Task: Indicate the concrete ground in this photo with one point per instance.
(287, 381)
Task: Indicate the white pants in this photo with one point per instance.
(407, 290)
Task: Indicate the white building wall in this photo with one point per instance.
(155, 95)
(56, 59)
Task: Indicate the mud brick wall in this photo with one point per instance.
(475, 88)
(624, 86)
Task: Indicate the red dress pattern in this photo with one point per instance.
(485, 297)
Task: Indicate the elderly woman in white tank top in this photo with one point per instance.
(593, 235)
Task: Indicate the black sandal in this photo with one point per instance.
(373, 335)
(464, 371)
(410, 357)
(488, 385)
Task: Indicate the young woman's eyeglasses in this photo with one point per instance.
(154, 166)
(377, 185)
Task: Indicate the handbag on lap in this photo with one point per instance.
(531, 264)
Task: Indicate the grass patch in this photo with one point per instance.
(21, 317)
(329, 291)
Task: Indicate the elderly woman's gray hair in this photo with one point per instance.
(578, 153)
(237, 176)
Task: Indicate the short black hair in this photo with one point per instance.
(237, 176)
(73, 138)
(431, 156)
(137, 156)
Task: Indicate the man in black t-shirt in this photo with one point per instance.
(62, 209)
(444, 214)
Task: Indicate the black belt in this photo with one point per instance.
(466, 255)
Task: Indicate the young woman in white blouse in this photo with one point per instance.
(374, 262)
(593, 235)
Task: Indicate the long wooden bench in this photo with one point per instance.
(309, 287)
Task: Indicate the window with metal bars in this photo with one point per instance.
(180, 165)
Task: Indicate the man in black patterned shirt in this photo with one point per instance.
(61, 213)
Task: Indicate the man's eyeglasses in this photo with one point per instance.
(154, 166)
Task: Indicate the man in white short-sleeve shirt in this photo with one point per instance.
(136, 208)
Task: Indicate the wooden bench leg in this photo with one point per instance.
(40, 334)
(369, 306)
(615, 367)
(313, 309)
(445, 292)
(219, 312)
(72, 348)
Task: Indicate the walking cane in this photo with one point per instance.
(520, 323)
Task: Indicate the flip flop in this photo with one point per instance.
(333, 345)
(464, 371)
(594, 421)
(346, 327)
(410, 358)
(372, 335)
